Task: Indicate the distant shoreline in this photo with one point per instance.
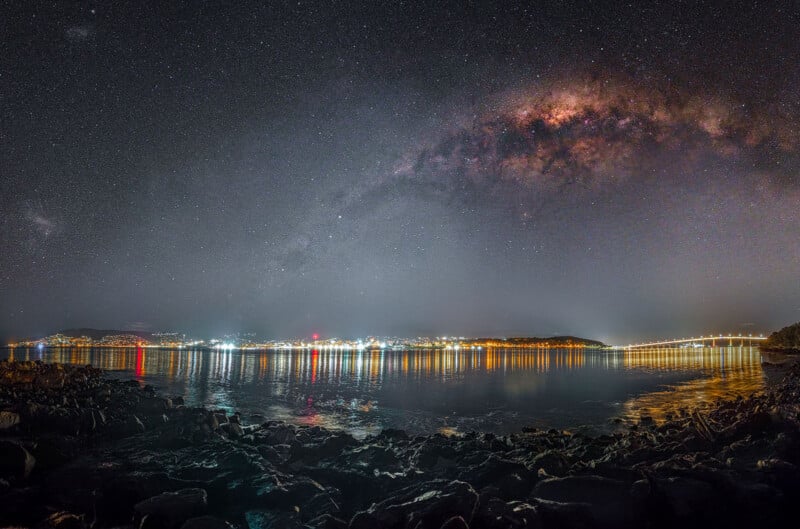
(309, 348)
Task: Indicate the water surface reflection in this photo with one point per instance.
(424, 391)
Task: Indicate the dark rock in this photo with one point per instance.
(134, 426)
(265, 519)
(524, 515)
(427, 505)
(393, 434)
(232, 430)
(153, 406)
(551, 461)
(170, 509)
(15, 461)
(434, 452)
(371, 456)
(456, 522)
(279, 434)
(8, 419)
(326, 521)
(331, 447)
(565, 515)
(497, 513)
(51, 451)
(273, 492)
(685, 497)
(608, 500)
(50, 379)
(63, 520)
(511, 478)
(206, 522)
(318, 505)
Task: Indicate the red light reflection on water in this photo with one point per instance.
(314, 359)
(139, 362)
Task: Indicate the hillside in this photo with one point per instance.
(97, 334)
(552, 340)
(786, 339)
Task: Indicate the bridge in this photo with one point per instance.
(726, 340)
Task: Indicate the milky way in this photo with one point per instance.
(588, 134)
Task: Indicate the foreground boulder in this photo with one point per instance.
(8, 419)
(16, 463)
(428, 505)
(170, 510)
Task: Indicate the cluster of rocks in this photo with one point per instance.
(80, 450)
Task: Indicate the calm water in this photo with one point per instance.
(427, 391)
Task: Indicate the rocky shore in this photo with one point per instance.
(80, 450)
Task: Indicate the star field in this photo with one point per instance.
(603, 169)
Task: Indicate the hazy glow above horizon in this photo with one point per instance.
(410, 170)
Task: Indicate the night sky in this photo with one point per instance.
(609, 170)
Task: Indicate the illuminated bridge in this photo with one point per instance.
(726, 340)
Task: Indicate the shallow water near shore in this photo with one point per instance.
(497, 391)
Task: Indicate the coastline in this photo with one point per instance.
(80, 449)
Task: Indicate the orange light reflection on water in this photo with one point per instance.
(730, 372)
(722, 372)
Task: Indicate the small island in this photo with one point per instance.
(786, 340)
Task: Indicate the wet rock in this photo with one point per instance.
(90, 420)
(318, 505)
(360, 488)
(120, 491)
(524, 515)
(427, 505)
(153, 406)
(494, 512)
(327, 521)
(392, 434)
(50, 379)
(51, 451)
(510, 478)
(286, 493)
(608, 500)
(134, 425)
(265, 519)
(456, 522)
(685, 497)
(206, 522)
(8, 419)
(435, 452)
(15, 461)
(373, 456)
(232, 430)
(553, 462)
(63, 520)
(278, 434)
(170, 509)
(565, 515)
